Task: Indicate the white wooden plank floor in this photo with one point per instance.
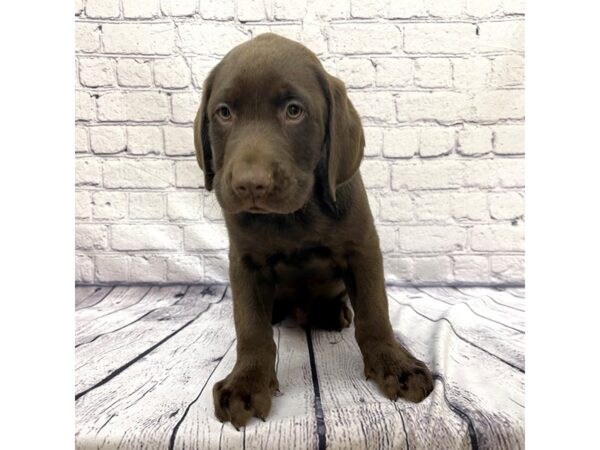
(147, 357)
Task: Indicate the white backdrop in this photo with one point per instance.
(439, 87)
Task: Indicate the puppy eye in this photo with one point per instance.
(294, 111)
(224, 112)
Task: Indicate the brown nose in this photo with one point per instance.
(250, 181)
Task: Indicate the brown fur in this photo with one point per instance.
(302, 236)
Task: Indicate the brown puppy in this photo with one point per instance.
(280, 143)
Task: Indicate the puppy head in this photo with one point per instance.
(273, 128)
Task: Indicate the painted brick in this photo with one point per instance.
(111, 269)
(148, 269)
(217, 9)
(286, 10)
(252, 10)
(394, 72)
(83, 207)
(178, 7)
(356, 73)
(216, 269)
(87, 37)
(184, 269)
(121, 173)
(102, 9)
(179, 141)
(469, 206)
(96, 72)
(432, 238)
(400, 142)
(388, 238)
(145, 237)
(449, 38)
(471, 73)
(508, 268)
(501, 36)
(396, 208)
(406, 10)
(88, 172)
(91, 236)
(172, 73)
(506, 205)
(474, 141)
(366, 9)
(500, 104)
(436, 141)
(140, 9)
(375, 174)
(184, 205)
(205, 236)
(146, 205)
(432, 269)
(209, 38)
(440, 98)
(138, 38)
(108, 139)
(364, 38)
(85, 108)
(490, 238)
(144, 140)
(430, 175)
(373, 107)
(447, 107)
(82, 141)
(508, 71)
(432, 206)
(471, 269)
(185, 106)
(188, 174)
(433, 72)
(133, 72)
(373, 141)
(398, 270)
(84, 269)
(509, 140)
(109, 205)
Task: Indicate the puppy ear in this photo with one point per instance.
(344, 138)
(204, 154)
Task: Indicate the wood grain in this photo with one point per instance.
(147, 358)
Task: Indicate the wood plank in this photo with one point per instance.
(487, 391)
(505, 343)
(81, 292)
(358, 416)
(291, 422)
(506, 298)
(100, 358)
(140, 407)
(119, 298)
(96, 295)
(157, 297)
(482, 304)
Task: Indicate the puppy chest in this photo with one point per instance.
(310, 264)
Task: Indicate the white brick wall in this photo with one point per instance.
(439, 86)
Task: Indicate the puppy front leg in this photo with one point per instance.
(248, 389)
(391, 366)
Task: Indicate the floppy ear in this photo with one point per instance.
(201, 140)
(344, 138)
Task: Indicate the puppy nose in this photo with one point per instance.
(251, 181)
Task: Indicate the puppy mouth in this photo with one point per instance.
(254, 209)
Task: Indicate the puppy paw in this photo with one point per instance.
(398, 373)
(242, 395)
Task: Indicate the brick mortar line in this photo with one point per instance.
(237, 22)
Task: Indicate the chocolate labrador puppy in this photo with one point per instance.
(280, 143)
